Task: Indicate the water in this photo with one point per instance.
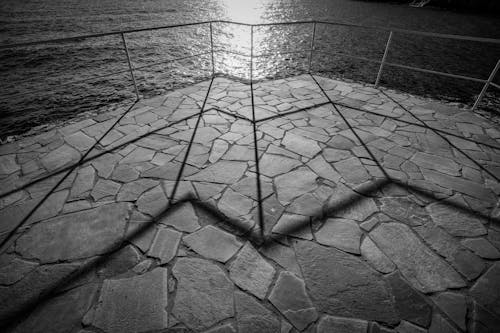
(35, 89)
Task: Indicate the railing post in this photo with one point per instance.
(130, 66)
(312, 46)
(486, 84)
(212, 48)
(251, 53)
(387, 45)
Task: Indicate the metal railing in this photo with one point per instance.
(383, 63)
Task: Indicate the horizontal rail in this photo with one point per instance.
(430, 71)
(113, 33)
(170, 60)
(495, 85)
(349, 56)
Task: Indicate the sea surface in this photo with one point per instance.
(53, 82)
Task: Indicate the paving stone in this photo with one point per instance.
(252, 317)
(105, 188)
(352, 170)
(357, 208)
(139, 154)
(234, 204)
(273, 165)
(136, 304)
(251, 272)
(125, 173)
(482, 248)
(295, 183)
(410, 304)
(223, 172)
(80, 141)
(440, 325)
(300, 145)
(418, 264)
(293, 225)
(219, 148)
(119, 262)
(329, 324)
(483, 321)
(132, 190)
(206, 283)
(227, 328)
(76, 235)
(165, 244)
(406, 327)
(435, 162)
(84, 182)
(213, 243)
(290, 298)
(455, 221)
(307, 205)
(341, 142)
(283, 255)
(248, 186)
(153, 202)
(15, 270)
(454, 305)
(343, 234)
(459, 184)
(60, 314)
(375, 257)
(28, 290)
(324, 169)
(50, 207)
(182, 218)
(8, 164)
(352, 289)
(60, 157)
(481, 291)
(404, 210)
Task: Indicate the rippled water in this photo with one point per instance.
(35, 87)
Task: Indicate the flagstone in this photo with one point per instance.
(213, 243)
(223, 172)
(165, 244)
(295, 183)
(60, 157)
(300, 145)
(272, 165)
(252, 317)
(182, 218)
(84, 182)
(132, 190)
(456, 221)
(8, 164)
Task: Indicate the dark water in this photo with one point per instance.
(39, 87)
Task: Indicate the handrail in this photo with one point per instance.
(406, 31)
(383, 62)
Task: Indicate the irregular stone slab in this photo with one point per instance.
(227, 328)
(435, 162)
(404, 210)
(105, 188)
(165, 244)
(418, 264)
(214, 243)
(455, 221)
(182, 218)
(61, 314)
(119, 262)
(8, 164)
(283, 255)
(352, 170)
(290, 298)
(307, 205)
(375, 257)
(125, 173)
(204, 293)
(440, 325)
(223, 172)
(248, 187)
(328, 324)
(341, 233)
(295, 183)
(251, 272)
(136, 304)
(352, 289)
(131, 191)
(410, 304)
(139, 154)
(483, 320)
(84, 182)
(406, 327)
(482, 248)
(80, 141)
(41, 280)
(300, 145)
(273, 165)
(219, 148)
(293, 225)
(15, 270)
(483, 289)
(253, 317)
(323, 169)
(358, 209)
(455, 307)
(76, 235)
(459, 184)
(60, 157)
(50, 207)
(234, 204)
(153, 202)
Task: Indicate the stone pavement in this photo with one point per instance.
(375, 213)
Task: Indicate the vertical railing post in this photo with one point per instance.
(387, 45)
(486, 84)
(251, 53)
(130, 66)
(312, 46)
(212, 48)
